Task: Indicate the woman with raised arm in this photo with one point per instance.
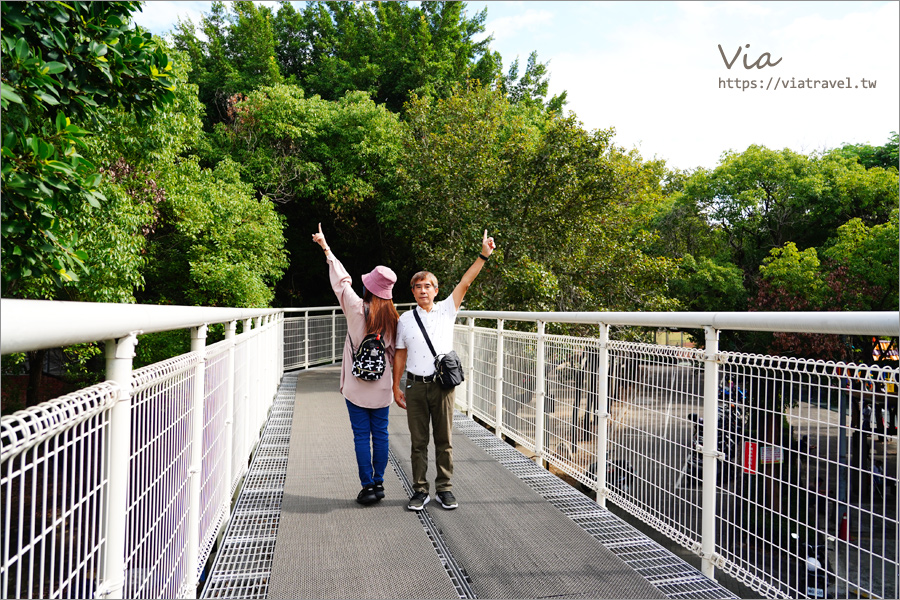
(366, 380)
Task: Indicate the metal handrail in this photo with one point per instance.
(884, 323)
(28, 325)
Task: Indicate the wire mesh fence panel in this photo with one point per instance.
(803, 462)
(256, 414)
(340, 334)
(215, 492)
(96, 490)
(274, 357)
(810, 505)
(159, 484)
(484, 377)
(294, 343)
(242, 444)
(519, 380)
(322, 340)
(52, 489)
(570, 406)
(654, 462)
(461, 345)
(786, 468)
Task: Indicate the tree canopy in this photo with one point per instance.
(555, 196)
(386, 49)
(194, 174)
(62, 64)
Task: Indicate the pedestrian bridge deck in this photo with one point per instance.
(519, 532)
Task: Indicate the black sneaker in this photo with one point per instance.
(418, 501)
(447, 500)
(367, 495)
(379, 490)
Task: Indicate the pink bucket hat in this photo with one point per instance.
(380, 281)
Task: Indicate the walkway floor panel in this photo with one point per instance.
(511, 541)
(328, 545)
(519, 532)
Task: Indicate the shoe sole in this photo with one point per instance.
(448, 506)
(418, 508)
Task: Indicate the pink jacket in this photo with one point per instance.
(367, 394)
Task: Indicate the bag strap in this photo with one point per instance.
(425, 333)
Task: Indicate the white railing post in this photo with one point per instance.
(306, 338)
(498, 392)
(198, 345)
(119, 355)
(230, 331)
(470, 367)
(539, 394)
(710, 452)
(603, 414)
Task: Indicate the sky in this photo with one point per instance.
(654, 71)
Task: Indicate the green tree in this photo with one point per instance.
(869, 254)
(762, 199)
(757, 198)
(859, 271)
(238, 55)
(558, 199)
(320, 161)
(130, 154)
(796, 272)
(61, 64)
(848, 190)
(215, 243)
(702, 284)
(869, 156)
(387, 49)
(531, 88)
(683, 228)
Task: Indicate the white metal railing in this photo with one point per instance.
(731, 455)
(316, 337)
(121, 489)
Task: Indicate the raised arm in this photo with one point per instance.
(487, 248)
(341, 282)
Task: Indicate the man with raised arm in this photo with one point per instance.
(425, 401)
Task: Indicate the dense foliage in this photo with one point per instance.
(194, 171)
(557, 198)
(778, 230)
(62, 64)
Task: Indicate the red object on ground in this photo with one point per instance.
(844, 533)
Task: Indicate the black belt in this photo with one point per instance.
(420, 378)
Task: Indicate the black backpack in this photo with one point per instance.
(368, 359)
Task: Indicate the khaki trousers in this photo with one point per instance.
(429, 404)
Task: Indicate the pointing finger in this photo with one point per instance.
(320, 228)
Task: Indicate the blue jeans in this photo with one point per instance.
(370, 437)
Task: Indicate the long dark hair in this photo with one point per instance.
(381, 317)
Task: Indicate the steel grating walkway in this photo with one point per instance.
(519, 531)
(243, 563)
